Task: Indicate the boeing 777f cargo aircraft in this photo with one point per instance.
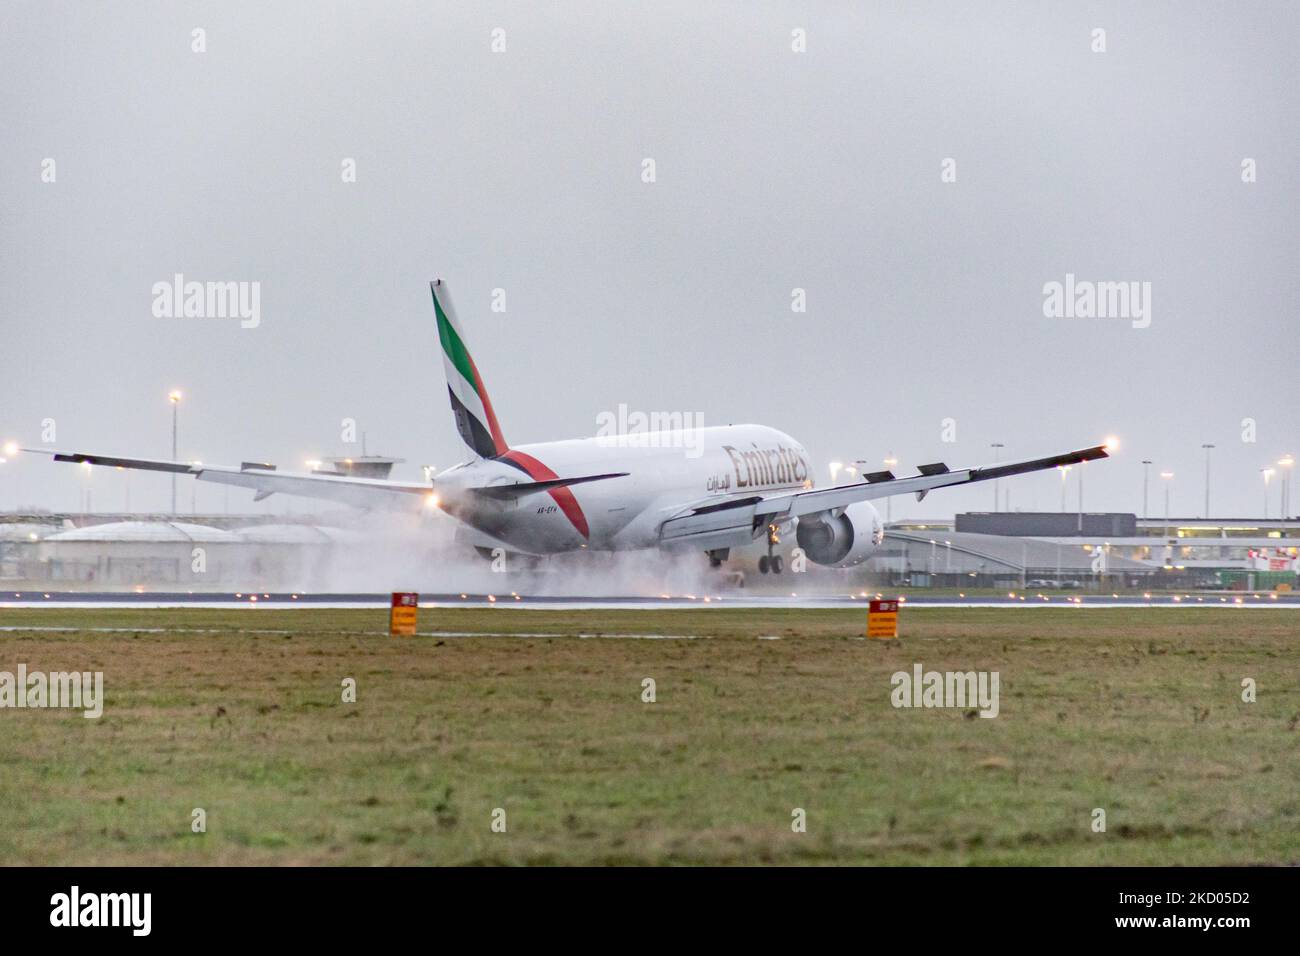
(739, 484)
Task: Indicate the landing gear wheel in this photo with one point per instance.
(771, 560)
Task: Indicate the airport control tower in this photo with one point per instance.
(362, 466)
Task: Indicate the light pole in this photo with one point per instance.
(1146, 474)
(890, 462)
(1168, 477)
(1286, 461)
(1207, 480)
(997, 447)
(174, 396)
(1267, 473)
(1082, 467)
(1065, 473)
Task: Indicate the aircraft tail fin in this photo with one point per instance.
(470, 406)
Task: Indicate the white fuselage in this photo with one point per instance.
(667, 472)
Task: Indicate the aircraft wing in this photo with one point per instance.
(740, 520)
(265, 479)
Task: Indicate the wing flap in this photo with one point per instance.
(715, 528)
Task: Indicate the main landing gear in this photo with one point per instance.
(771, 562)
(728, 578)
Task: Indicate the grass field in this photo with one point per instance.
(239, 712)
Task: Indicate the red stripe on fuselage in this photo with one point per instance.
(563, 496)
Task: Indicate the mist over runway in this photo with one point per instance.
(576, 602)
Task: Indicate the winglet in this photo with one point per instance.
(1039, 464)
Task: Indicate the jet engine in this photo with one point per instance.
(842, 537)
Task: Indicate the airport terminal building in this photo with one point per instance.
(121, 552)
(1013, 549)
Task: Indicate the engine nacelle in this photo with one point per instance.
(841, 540)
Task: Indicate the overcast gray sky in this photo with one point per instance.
(775, 170)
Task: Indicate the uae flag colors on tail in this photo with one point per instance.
(470, 405)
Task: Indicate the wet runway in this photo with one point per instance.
(280, 600)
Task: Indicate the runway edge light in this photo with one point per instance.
(882, 619)
(402, 614)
